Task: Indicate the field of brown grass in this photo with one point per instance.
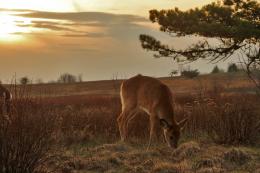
(72, 128)
(179, 85)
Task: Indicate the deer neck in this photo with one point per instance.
(168, 115)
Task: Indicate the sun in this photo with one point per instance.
(8, 28)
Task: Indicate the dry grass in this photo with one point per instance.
(26, 136)
(120, 157)
(231, 82)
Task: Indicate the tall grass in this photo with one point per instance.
(87, 121)
(224, 119)
(26, 135)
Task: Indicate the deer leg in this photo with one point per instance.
(131, 116)
(120, 125)
(153, 127)
(122, 122)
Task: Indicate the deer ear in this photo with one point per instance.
(164, 124)
(182, 123)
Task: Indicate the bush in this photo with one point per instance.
(190, 73)
(67, 78)
(232, 68)
(24, 80)
(217, 70)
(26, 136)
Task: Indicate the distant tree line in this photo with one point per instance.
(232, 68)
(192, 73)
(63, 78)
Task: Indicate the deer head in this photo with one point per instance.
(172, 132)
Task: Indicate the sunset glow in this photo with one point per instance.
(9, 27)
(77, 36)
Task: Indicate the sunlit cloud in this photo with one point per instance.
(81, 24)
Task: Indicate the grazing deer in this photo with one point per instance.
(155, 98)
(6, 96)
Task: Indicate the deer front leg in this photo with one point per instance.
(153, 128)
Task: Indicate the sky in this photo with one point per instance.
(95, 38)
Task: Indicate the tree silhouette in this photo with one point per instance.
(216, 70)
(232, 68)
(235, 24)
(189, 73)
(24, 80)
(67, 78)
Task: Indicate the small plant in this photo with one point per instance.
(173, 73)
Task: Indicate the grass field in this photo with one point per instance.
(72, 128)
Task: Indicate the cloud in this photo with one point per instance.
(85, 17)
(46, 25)
(93, 35)
(78, 24)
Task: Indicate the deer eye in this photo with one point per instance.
(171, 137)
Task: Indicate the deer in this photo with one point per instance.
(150, 95)
(6, 96)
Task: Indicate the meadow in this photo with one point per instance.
(72, 128)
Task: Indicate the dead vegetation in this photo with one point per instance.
(119, 157)
(26, 136)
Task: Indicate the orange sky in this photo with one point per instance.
(96, 38)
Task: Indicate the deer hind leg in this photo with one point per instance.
(122, 121)
(130, 117)
(120, 125)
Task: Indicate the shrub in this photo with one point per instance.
(26, 136)
(190, 73)
(232, 68)
(24, 80)
(217, 70)
(67, 78)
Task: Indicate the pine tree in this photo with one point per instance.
(234, 23)
(216, 70)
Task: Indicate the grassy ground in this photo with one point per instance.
(191, 156)
(179, 85)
